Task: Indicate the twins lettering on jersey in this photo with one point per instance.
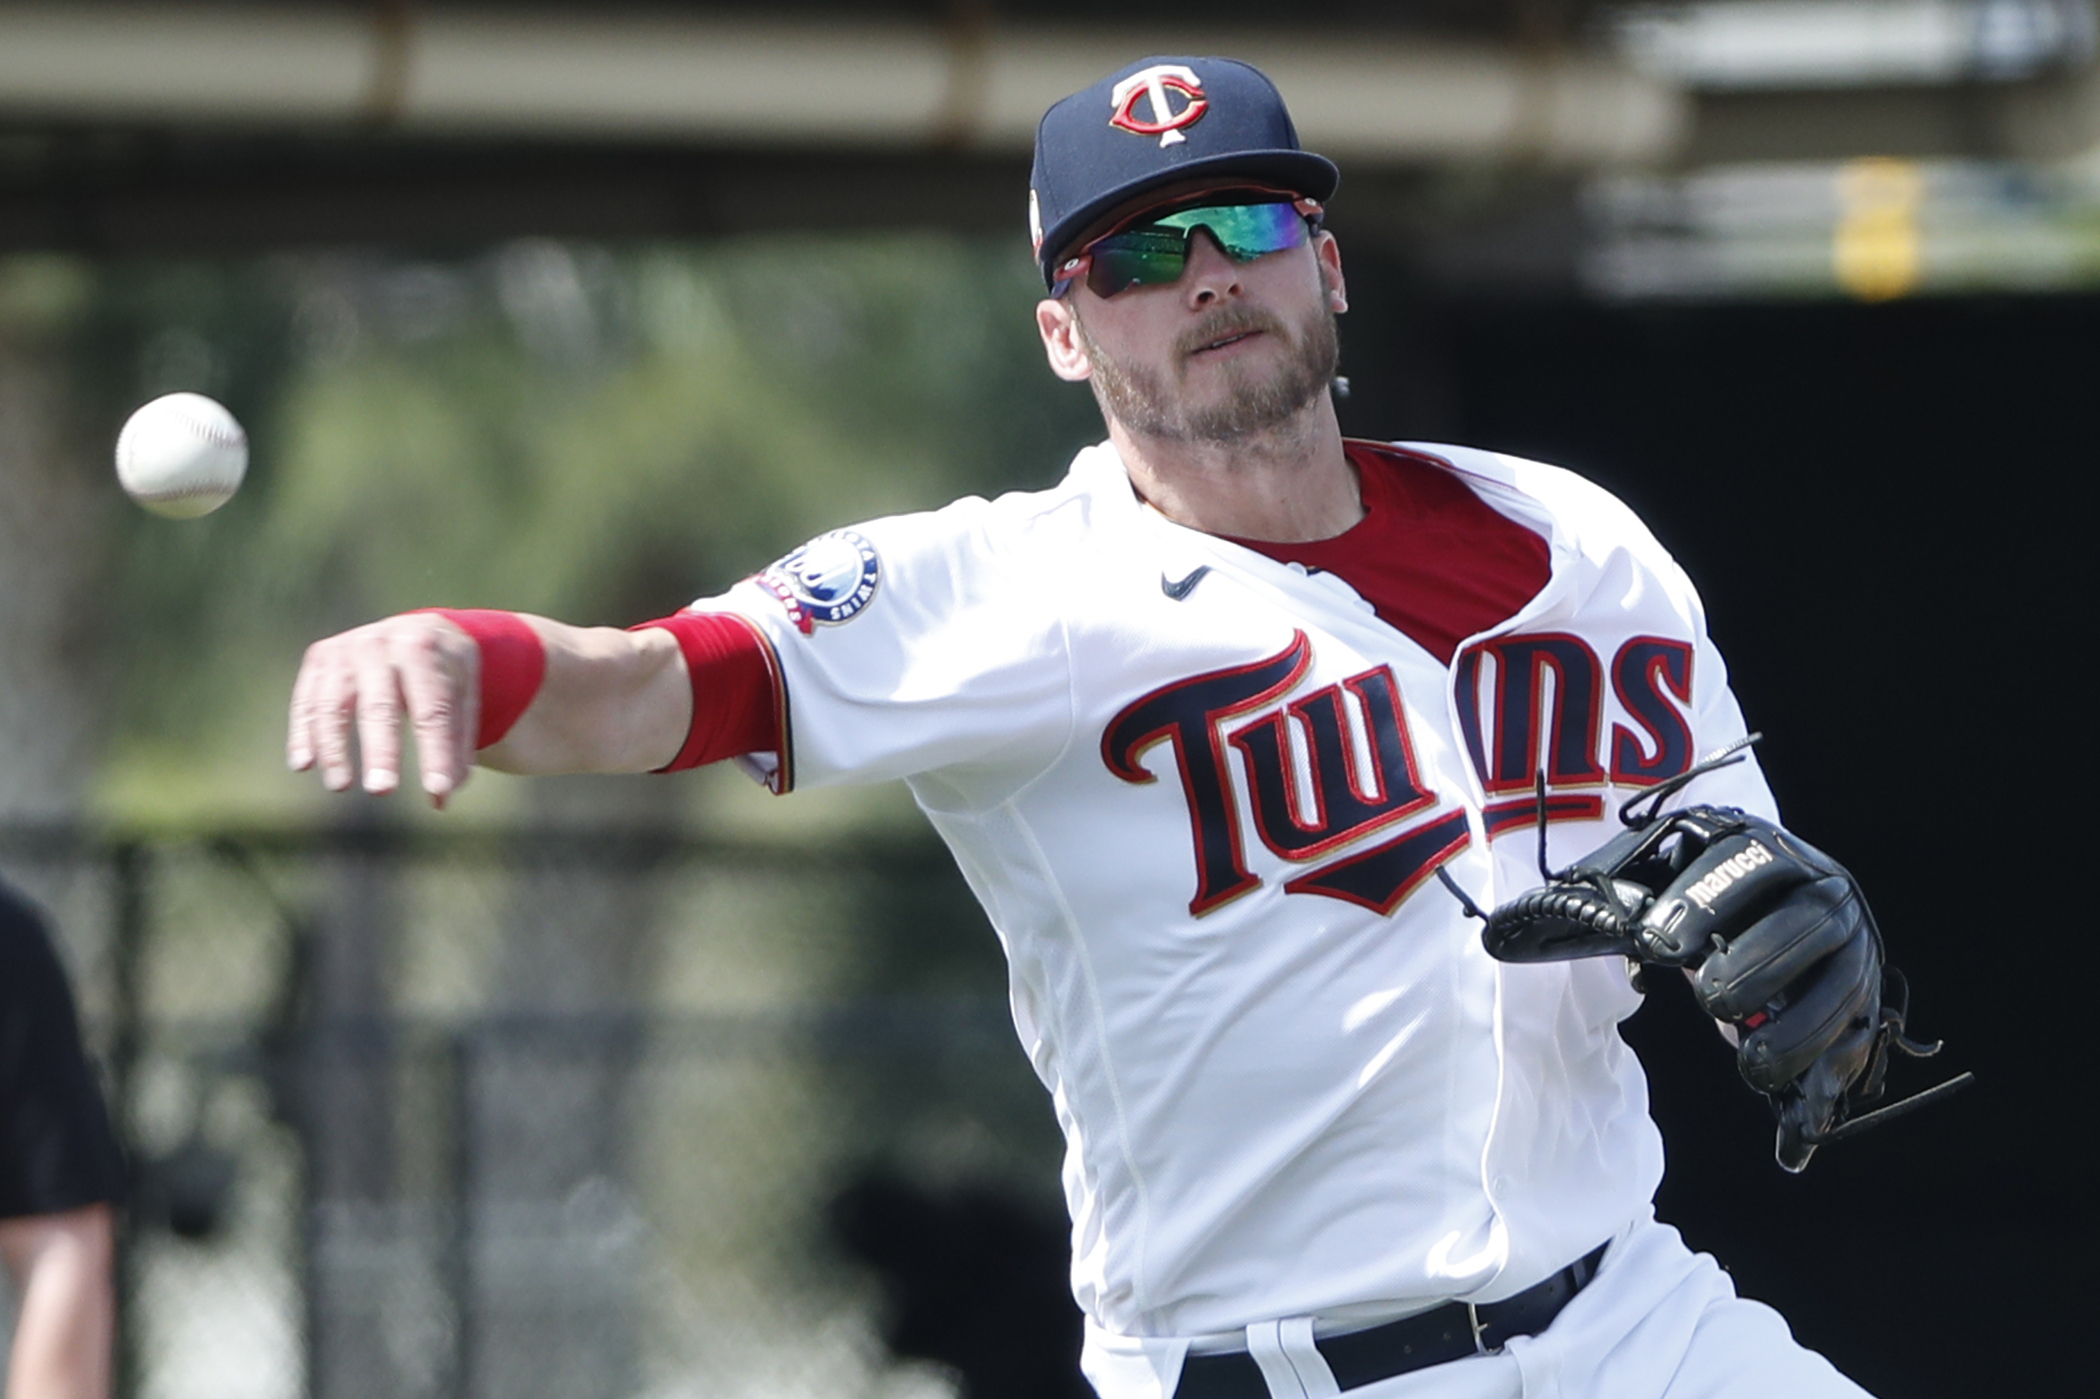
(1353, 755)
(1545, 711)
(1352, 797)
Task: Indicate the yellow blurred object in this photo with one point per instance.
(1875, 251)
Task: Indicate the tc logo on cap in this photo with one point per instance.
(1153, 84)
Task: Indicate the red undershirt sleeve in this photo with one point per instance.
(739, 702)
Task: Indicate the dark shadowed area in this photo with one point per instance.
(1876, 503)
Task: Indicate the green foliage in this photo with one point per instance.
(39, 293)
(599, 436)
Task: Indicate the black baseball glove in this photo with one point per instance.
(1778, 941)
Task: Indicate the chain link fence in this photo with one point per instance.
(536, 1113)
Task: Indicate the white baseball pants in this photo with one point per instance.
(1657, 1322)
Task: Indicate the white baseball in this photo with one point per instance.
(182, 455)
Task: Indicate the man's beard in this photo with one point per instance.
(1138, 396)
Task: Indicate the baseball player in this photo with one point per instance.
(1228, 732)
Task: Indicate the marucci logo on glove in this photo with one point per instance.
(1726, 873)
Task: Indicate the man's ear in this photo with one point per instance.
(1329, 254)
(1059, 326)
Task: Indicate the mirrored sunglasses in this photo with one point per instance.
(1155, 251)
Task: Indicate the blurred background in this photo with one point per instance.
(665, 1087)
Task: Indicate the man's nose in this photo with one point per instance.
(1210, 273)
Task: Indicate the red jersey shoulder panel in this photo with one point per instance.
(1433, 559)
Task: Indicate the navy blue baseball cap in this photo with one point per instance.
(1161, 121)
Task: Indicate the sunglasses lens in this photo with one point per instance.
(1156, 252)
(1245, 231)
(1138, 257)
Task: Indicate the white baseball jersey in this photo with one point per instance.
(1202, 796)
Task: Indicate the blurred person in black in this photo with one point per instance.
(60, 1175)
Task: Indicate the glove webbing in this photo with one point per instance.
(1895, 1012)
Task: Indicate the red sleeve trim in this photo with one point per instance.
(739, 700)
(513, 666)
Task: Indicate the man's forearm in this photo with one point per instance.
(603, 701)
(65, 1327)
(611, 701)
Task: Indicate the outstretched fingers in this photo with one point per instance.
(379, 710)
(364, 683)
(324, 698)
(440, 681)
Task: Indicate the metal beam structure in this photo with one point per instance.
(128, 127)
(203, 126)
(596, 75)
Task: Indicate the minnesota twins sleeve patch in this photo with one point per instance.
(829, 580)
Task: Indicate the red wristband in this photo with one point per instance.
(737, 690)
(513, 663)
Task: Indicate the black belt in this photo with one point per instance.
(1450, 1332)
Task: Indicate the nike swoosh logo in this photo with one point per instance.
(1182, 589)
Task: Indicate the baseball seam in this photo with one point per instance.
(212, 432)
